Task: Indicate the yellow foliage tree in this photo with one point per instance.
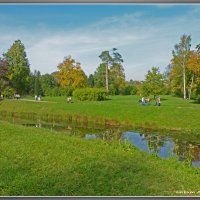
(70, 74)
(193, 66)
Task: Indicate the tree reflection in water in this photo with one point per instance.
(166, 146)
(161, 144)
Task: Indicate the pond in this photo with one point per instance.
(164, 145)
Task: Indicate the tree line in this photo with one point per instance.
(16, 76)
(181, 77)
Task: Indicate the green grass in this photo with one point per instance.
(39, 162)
(174, 113)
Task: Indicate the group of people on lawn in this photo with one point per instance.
(15, 96)
(146, 101)
(37, 97)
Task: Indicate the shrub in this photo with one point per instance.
(57, 91)
(90, 94)
(198, 99)
(8, 92)
(113, 90)
(128, 90)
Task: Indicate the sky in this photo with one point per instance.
(144, 35)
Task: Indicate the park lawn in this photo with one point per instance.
(37, 162)
(174, 113)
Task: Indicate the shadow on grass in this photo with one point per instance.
(107, 99)
(163, 99)
(194, 102)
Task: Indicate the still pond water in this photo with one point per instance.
(163, 145)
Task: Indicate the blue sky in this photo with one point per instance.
(144, 34)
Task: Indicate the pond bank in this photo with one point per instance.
(36, 162)
(162, 143)
(97, 122)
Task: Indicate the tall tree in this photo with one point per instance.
(180, 57)
(18, 67)
(114, 60)
(70, 74)
(106, 59)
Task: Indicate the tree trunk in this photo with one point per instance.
(190, 92)
(184, 82)
(107, 77)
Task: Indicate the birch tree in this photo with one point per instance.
(180, 58)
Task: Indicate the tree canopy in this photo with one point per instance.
(153, 83)
(70, 74)
(18, 67)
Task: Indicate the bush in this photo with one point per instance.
(59, 91)
(198, 99)
(113, 90)
(8, 92)
(90, 94)
(128, 90)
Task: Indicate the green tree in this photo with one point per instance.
(130, 88)
(32, 84)
(48, 82)
(154, 82)
(180, 59)
(115, 75)
(106, 59)
(166, 76)
(37, 85)
(4, 81)
(91, 80)
(18, 67)
(99, 76)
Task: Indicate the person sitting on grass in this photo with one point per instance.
(69, 99)
(144, 101)
(147, 101)
(141, 101)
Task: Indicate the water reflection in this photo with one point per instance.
(90, 136)
(161, 145)
(165, 147)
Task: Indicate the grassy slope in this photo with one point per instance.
(39, 162)
(174, 112)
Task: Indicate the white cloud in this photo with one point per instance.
(143, 42)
